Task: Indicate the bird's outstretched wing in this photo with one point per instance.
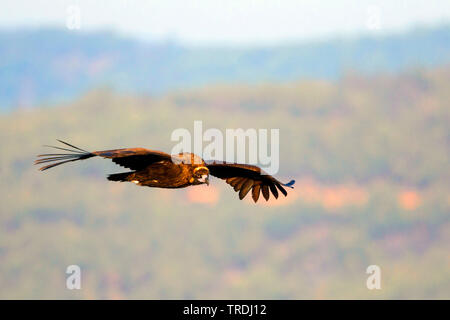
(245, 177)
(132, 158)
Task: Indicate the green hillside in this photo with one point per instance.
(371, 160)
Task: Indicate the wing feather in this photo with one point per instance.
(233, 181)
(238, 185)
(265, 191)
(283, 191)
(132, 158)
(274, 190)
(245, 188)
(255, 192)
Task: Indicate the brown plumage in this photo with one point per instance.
(161, 170)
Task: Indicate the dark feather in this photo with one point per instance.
(283, 191)
(265, 191)
(255, 192)
(64, 149)
(56, 164)
(274, 190)
(61, 158)
(68, 144)
(245, 188)
(123, 176)
(239, 185)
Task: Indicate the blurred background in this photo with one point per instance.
(360, 91)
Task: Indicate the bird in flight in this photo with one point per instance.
(161, 170)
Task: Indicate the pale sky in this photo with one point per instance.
(228, 21)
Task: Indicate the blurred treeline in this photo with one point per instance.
(52, 65)
(371, 160)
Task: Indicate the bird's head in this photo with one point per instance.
(200, 175)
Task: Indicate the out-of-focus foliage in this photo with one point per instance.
(51, 65)
(371, 159)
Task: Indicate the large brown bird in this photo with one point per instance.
(161, 170)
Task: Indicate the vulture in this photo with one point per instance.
(161, 170)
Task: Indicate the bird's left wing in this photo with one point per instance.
(245, 177)
(133, 158)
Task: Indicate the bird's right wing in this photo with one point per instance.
(245, 177)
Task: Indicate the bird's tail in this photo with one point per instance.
(55, 159)
(123, 176)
